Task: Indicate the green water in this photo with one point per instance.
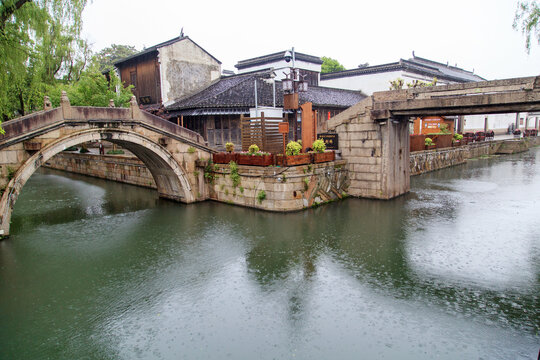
(100, 270)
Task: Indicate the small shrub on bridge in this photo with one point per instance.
(191, 150)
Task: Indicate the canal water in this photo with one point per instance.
(101, 270)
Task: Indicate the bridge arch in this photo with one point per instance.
(170, 176)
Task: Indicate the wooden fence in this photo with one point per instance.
(263, 132)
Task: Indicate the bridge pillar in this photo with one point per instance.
(377, 152)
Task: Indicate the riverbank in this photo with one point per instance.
(431, 160)
(275, 188)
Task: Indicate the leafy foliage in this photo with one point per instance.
(398, 83)
(253, 149)
(293, 148)
(235, 177)
(92, 89)
(330, 65)
(527, 18)
(39, 44)
(105, 59)
(319, 146)
(261, 195)
(229, 146)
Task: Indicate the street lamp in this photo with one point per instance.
(291, 87)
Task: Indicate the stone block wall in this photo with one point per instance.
(430, 160)
(124, 169)
(377, 153)
(284, 188)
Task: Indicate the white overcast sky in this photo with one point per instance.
(474, 34)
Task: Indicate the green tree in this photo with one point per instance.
(92, 89)
(109, 55)
(528, 19)
(39, 44)
(330, 65)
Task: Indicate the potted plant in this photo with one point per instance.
(320, 154)
(457, 138)
(429, 144)
(293, 156)
(255, 157)
(225, 157)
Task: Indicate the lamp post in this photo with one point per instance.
(292, 85)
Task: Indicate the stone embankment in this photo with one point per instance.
(277, 188)
(126, 169)
(430, 160)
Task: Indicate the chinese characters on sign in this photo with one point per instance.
(330, 139)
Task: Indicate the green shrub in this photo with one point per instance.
(115, 152)
(253, 149)
(229, 147)
(318, 146)
(428, 142)
(458, 136)
(293, 148)
(261, 196)
(235, 177)
(191, 150)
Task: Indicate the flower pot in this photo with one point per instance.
(293, 160)
(255, 160)
(224, 157)
(431, 147)
(324, 156)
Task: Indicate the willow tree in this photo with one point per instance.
(527, 18)
(40, 44)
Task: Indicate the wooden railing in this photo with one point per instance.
(263, 132)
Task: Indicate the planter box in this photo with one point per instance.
(456, 143)
(431, 147)
(293, 160)
(264, 160)
(324, 157)
(224, 158)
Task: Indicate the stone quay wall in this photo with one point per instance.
(431, 160)
(126, 169)
(281, 188)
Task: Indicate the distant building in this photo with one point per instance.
(169, 71)
(370, 79)
(309, 66)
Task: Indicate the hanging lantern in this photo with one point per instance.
(287, 85)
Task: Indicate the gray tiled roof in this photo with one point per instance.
(270, 58)
(416, 65)
(238, 91)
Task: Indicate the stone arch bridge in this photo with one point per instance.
(170, 152)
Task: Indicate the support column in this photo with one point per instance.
(395, 158)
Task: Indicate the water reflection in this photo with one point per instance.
(450, 270)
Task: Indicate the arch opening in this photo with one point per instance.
(170, 177)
